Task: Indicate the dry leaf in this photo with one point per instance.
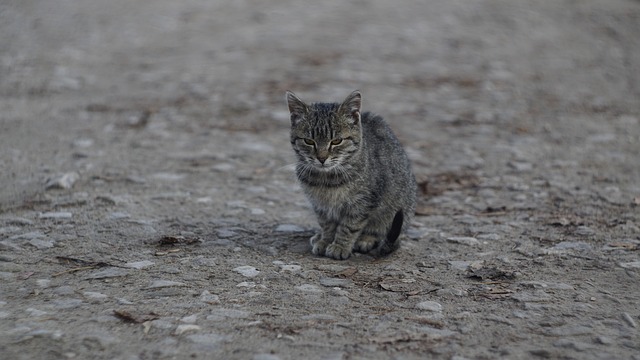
(347, 273)
(627, 246)
(126, 316)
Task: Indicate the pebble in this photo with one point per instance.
(42, 244)
(139, 264)
(64, 290)
(184, 328)
(168, 176)
(287, 267)
(570, 344)
(16, 221)
(490, 237)
(96, 296)
(464, 240)
(162, 324)
(631, 265)
(66, 303)
(189, 319)
(584, 231)
(572, 245)
(336, 282)
(451, 292)
(43, 283)
(209, 298)
(604, 340)
(629, 320)
(223, 167)
(429, 306)
(247, 271)
(41, 333)
(28, 236)
(532, 296)
(222, 314)
(157, 284)
(464, 265)
(289, 228)
(520, 166)
(64, 181)
(56, 215)
(225, 233)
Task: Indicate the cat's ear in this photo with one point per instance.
(297, 107)
(351, 106)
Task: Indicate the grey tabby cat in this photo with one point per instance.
(356, 175)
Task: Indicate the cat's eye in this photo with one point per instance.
(336, 142)
(309, 142)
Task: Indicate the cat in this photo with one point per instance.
(356, 175)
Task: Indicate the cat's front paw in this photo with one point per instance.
(318, 245)
(365, 244)
(337, 252)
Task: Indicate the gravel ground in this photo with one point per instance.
(148, 207)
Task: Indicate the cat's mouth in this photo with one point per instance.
(327, 165)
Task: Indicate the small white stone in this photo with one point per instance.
(429, 306)
(291, 268)
(287, 267)
(139, 264)
(191, 319)
(56, 215)
(209, 298)
(64, 181)
(464, 240)
(42, 244)
(183, 328)
(43, 283)
(94, 295)
(631, 265)
(247, 271)
(168, 176)
(246, 284)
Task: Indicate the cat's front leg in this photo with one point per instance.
(346, 235)
(326, 235)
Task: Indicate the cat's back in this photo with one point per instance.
(378, 135)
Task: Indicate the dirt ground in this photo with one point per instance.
(148, 207)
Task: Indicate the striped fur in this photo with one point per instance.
(356, 175)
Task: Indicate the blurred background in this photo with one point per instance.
(535, 67)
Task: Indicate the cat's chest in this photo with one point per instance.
(329, 197)
(335, 202)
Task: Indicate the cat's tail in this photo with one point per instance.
(392, 242)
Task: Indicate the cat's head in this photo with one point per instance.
(325, 135)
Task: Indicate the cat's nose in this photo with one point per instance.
(322, 159)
